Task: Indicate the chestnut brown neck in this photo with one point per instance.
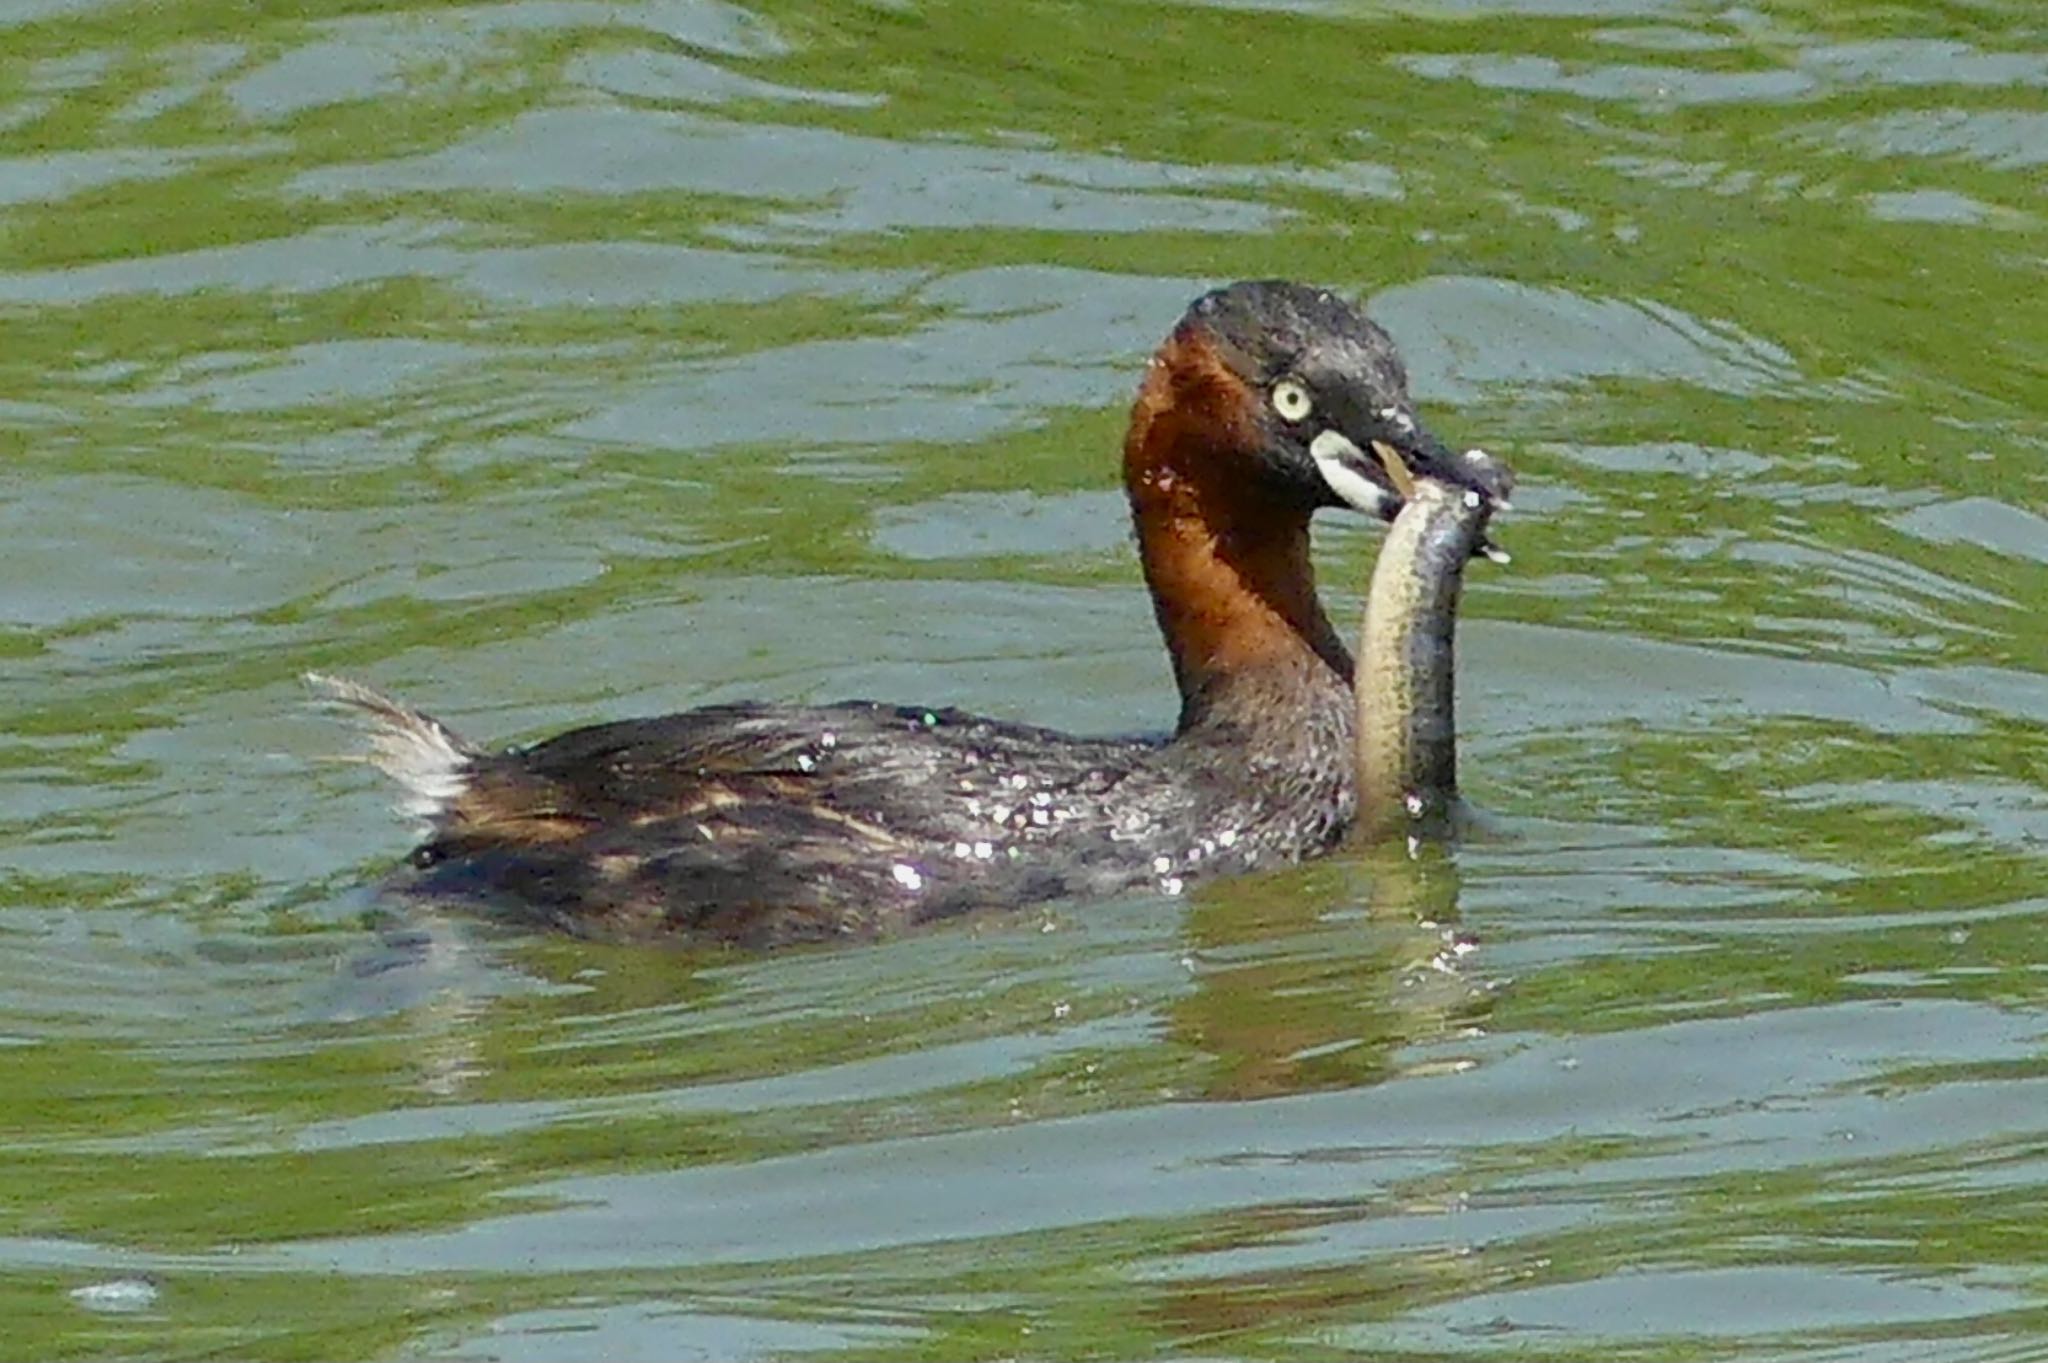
(1226, 555)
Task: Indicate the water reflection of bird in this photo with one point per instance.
(765, 823)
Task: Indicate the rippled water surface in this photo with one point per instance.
(554, 360)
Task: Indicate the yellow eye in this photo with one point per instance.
(1291, 400)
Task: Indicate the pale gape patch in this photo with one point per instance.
(1337, 459)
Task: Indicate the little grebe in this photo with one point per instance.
(760, 823)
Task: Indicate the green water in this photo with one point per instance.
(559, 360)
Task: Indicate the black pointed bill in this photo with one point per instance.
(1380, 482)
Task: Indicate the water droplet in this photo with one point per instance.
(117, 1296)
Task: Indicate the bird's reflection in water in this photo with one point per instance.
(1328, 986)
(441, 973)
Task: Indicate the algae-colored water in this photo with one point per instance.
(556, 360)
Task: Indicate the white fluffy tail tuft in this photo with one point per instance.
(429, 760)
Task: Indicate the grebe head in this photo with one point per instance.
(1300, 387)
